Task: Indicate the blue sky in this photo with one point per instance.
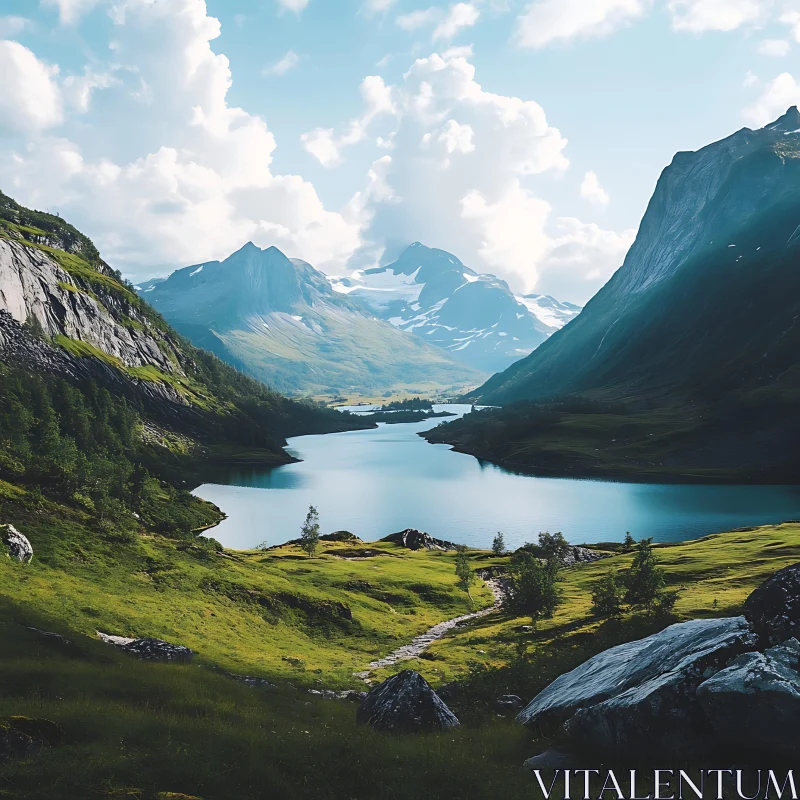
(525, 137)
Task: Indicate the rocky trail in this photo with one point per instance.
(421, 643)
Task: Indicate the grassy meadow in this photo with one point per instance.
(136, 729)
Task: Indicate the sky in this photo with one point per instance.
(526, 137)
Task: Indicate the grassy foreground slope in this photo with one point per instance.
(136, 729)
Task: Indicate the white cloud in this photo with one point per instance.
(547, 21)
(164, 172)
(461, 173)
(461, 51)
(372, 7)
(11, 26)
(70, 11)
(293, 5)
(283, 65)
(792, 19)
(777, 48)
(419, 19)
(699, 16)
(448, 23)
(751, 79)
(580, 259)
(778, 95)
(326, 147)
(30, 99)
(459, 15)
(592, 191)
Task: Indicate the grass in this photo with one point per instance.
(147, 728)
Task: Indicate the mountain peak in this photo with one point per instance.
(789, 122)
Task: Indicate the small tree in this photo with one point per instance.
(645, 581)
(309, 534)
(464, 573)
(499, 544)
(554, 546)
(629, 542)
(607, 596)
(533, 585)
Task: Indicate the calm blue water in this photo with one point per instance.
(380, 481)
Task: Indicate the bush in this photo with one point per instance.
(533, 585)
(607, 596)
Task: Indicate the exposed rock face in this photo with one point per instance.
(405, 703)
(150, 649)
(582, 555)
(417, 540)
(773, 610)
(641, 693)
(18, 548)
(755, 700)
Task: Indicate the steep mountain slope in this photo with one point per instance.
(280, 320)
(477, 318)
(65, 313)
(696, 335)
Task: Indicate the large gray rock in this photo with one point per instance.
(405, 703)
(18, 548)
(418, 540)
(755, 700)
(150, 649)
(773, 610)
(639, 693)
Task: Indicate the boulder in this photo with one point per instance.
(773, 610)
(417, 540)
(508, 702)
(755, 700)
(352, 696)
(405, 703)
(582, 555)
(641, 693)
(150, 649)
(18, 548)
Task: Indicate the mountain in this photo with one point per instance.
(694, 339)
(66, 316)
(280, 320)
(476, 318)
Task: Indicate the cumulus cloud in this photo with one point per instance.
(283, 65)
(776, 48)
(323, 143)
(167, 173)
(592, 191)
(699, 16)
(420, 18)
(459, 176)
(580, 259)
(547, 21)
(778, 95)
(459, 15)
(30, 100)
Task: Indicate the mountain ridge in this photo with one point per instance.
(280, 320)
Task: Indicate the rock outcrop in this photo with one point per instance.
(150, 649)
(641, 693)
(756, 699)
(17, 546)
(417, 540)
(773, 610)
(582, 555)
(405, 703)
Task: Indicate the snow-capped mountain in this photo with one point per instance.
(279, 320)
(476, 318)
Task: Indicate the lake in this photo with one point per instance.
(380, 481)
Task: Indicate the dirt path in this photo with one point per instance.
(419, 644)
